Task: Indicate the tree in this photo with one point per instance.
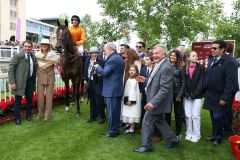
(109, 31)
(62, 17)
(170, 21)
(229, 27)
(90, 28)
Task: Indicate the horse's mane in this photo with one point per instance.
(68, 40)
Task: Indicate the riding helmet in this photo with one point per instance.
(75, 17)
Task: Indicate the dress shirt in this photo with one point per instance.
(31, 63)
(90, 67)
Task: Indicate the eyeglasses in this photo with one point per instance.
(214, 48)
(138, 46)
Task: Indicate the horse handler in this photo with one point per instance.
(46, 58)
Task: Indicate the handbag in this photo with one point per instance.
(125, 100)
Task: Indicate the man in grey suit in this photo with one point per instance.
(159, 90)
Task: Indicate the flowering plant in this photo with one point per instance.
(236, 105)
(58, 92)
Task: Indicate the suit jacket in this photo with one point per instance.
(100, 56)
(112, 74)
(97, 80)
(160, 88)
(220, 83)
(18, 72)
(143, 72)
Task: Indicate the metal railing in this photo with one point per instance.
(8, 51)
(4, 62)
(5, 89)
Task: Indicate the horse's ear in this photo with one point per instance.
(66, 22)
(58, 23)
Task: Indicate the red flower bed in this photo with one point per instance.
(9, 102)
(236, 105)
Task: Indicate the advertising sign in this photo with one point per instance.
(203, 49)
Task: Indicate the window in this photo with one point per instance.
(13, 2)
(12, 26)
(13, 14)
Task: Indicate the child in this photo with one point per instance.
(148, 61)
(131, 104)
(145, 71)
(193, 97)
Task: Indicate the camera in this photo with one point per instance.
(94, 69)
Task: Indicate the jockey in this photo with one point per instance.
(78, 33)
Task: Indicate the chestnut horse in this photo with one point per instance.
(70, 61)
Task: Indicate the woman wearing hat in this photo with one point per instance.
(46, 58)
(94, 87)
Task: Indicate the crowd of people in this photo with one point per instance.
(138, 88)
(10, 43)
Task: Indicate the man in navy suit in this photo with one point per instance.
(220, 86)
(112, 91)
(102, 55)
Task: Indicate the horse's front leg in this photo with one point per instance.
(67, 95)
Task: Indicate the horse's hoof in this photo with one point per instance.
(78, 114)
(66, 109)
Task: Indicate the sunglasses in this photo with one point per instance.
(138, 46)
(214, 48)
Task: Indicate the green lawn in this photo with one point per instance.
(67, 137)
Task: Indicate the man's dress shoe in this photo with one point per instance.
(89, 120)
(17, 121)
(29, 117)
(172, 144)
(143, 149)
(216, 143)
(210, 139)
(108, 135)
(101, 121)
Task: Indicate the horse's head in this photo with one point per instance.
(63, 36)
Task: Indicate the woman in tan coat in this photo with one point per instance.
(46, 59)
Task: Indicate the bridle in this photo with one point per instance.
(62, 47)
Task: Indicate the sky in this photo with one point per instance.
(54, 8)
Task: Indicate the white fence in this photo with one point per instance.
(4, 62)
(8, 51)
(5, 89)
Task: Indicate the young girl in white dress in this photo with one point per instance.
(131, 103)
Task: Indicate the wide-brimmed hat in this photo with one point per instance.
(45, 41)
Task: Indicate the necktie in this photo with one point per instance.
(29, 67)
(214, 61)
(147, 74)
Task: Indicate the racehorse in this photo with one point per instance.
(70, 61)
